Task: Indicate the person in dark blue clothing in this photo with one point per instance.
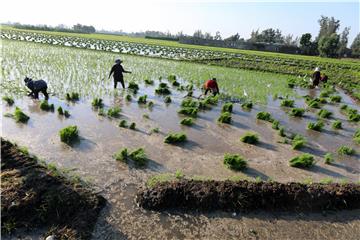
(36, 87)
(118, 71)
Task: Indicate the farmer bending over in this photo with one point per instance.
(117, 69)
(324, 78)
(211, 85)
(36, 87)
(316, 77)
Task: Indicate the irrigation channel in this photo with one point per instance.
(201, 157)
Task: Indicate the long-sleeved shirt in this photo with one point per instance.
(117, 69)
(36, 85)
(211, 84)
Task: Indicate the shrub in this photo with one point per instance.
(337, 125)
(297, 112)
(167, 99)
(264, 116)
(97, 103)
(345, 150)
(8, 100)
(142, 99)
(139, 157)
(69, 134)
(132, 126)
(275, 124)
(234, 161)
(225, 117)
(227, 107)
(247, 105)
(298, 142)
(316, 126)
(187, 121)
(114, 112)
(329, 158)
(149, 81)
(335, 99)
(189, 103)
(356, 136)
(323, 113)
(302, 161)
(20, 116)
(250, 138)
(133, 86)
(123, 123)
(128, 97)
(121, 155)
(44, 105)
(287, 103)
(175, 138)
(189, 111)
(74, 96)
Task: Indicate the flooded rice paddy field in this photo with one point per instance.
(200, 157)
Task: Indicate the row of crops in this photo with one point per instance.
(345, 74)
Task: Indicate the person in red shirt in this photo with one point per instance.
(211, 85)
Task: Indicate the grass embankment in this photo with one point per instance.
(36, 195)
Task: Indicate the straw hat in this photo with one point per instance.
(118, 60)
(317, 69)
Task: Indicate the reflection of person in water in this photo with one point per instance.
(118, 70)
(36, 87)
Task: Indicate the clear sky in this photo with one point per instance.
(228, 17)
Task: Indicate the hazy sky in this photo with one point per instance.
(228, 17)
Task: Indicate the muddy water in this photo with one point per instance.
(202, 156)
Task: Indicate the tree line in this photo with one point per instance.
(78, 28)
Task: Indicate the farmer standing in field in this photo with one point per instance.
(118, 70)
(316, 77)
(211, 85)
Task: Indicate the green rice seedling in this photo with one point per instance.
(44, 105)
(139, 157)
(345, 150)
(167, 99)
(97, 103)
(313, 103)
(335, 99)
(344, 107)
(149, 81)
(264, 116)
(114, 112)
(329, 158)
(291, 83)
(354, 117)
(133, 86)
(325, 93)
(8, 100)
(187, 121)
(297, 112)
(155, 130)
(298, 142)
(356, 136)
(128, 97)
(337, 124)
(142, 99)
(60, 110)
(132, 126)
(234, 162)
(145, 115)
(247, 105)
(287, 103)
(66, 114)
(175, 83)
(171, 77)
(189, 87)
(189, 103)
(173, 138)
(203, 105)
(227, 107)
(282, 132)
(322, 100)
(212, 100)
(163, 89)
(74, 96)
(316, 126)
(150, 104)
(69, 134)
(326, 180)
(101, 112)
(20, 116)
(250, 138)
(225, 117)
(323, 113)
(302, 161)
(121, 155)
(275, 125)
(123, 123)
(189, 111)
(179, 174)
